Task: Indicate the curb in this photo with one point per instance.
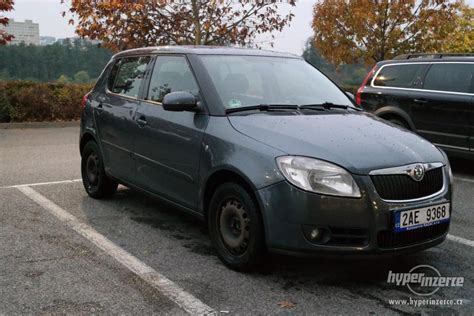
(25, 125)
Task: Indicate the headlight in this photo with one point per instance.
(318, 176)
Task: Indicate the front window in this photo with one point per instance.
(253, 80)
(171, 73)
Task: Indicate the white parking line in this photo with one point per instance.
(461, 240)
(464, 179)
(167, 287)
(40, 183)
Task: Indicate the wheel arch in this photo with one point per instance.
(85, 138)
(221, 176)
(387, 112)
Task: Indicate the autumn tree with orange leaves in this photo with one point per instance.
(129, 24)
(374, 30)
(5, 5)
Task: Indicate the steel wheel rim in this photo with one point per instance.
(92, 169)
(234, 226)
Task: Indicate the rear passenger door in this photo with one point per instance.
(115, 115)
(446, 105)
(169, 143)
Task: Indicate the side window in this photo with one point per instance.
(171, 73)
(399, 76)
(450, 77)
(127, 75)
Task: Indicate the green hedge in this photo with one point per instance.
(23, 101)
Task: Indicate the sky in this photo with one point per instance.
(48, 14)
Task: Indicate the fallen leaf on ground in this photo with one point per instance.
(286, 304)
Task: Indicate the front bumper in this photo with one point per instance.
(356, 225)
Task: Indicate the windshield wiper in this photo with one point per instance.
(328, 106)
(263, 107)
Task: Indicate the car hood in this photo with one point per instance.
(359, 142)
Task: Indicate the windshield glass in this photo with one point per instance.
(252, 80)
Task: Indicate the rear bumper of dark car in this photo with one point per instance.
(352, 226)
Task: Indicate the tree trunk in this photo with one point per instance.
(197, 23)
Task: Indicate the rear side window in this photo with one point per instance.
(399, 76)
(450, 77)
(170, 74)
(127, 75)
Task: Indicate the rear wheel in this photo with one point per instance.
(96, 182)
(398, 122)
(236, 227)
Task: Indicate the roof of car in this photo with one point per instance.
(431, 58)
(203, 50)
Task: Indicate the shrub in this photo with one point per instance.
(22, 101)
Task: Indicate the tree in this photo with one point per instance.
(313, 56)
(129, 24)
(374, 30)
(63, 79)
(47, 63)
(463, 37)
(5, 5)
(82, 77)
(347, 75)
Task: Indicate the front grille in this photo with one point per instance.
(403, 187)
(391, 239)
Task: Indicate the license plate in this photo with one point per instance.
(421, 217)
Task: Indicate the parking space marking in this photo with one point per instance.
(464, 179)
(40, 183)
(168, 288)
(461, 240)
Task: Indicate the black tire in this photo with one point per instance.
(236, 227)
(399, 122)
(97, 184)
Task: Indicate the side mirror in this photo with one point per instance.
(179, 101)
(350, 95)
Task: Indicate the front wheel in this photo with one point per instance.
(96, 182)
(236, 228)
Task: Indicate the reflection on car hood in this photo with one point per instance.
(359, 142)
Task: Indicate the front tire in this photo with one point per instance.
(97, 184)
(236, 227)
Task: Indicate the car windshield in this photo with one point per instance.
(243, 81)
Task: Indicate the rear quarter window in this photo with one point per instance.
(450, 77)
(127, 75)
(399, 76)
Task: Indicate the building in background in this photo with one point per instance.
(25, 32)
(47, 40)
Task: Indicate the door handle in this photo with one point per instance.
(420, 101)
(100, 108)
(141, 121)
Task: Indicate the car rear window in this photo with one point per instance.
(450, 77)
(127, 75)
(399, 76)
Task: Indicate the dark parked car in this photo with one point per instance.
(266, 149)
(432, 95)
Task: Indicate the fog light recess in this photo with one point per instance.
(317, 235)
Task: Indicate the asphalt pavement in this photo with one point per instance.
(63, 252)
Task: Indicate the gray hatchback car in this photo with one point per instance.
(266, 149)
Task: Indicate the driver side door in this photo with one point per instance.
(168, 146)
